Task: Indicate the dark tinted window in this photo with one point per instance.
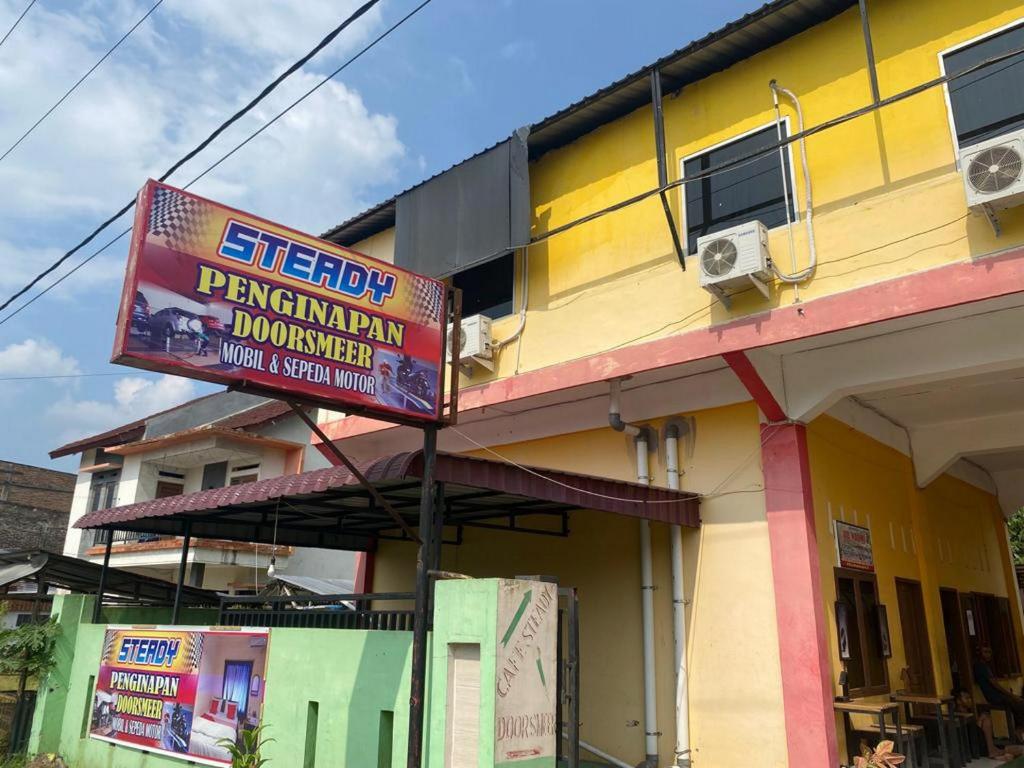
(487, 289)
(989, 101)
(750, 191)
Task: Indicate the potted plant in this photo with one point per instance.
(245, 753)
(882, 756)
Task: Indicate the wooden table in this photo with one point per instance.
(947, 740)
(878, 709)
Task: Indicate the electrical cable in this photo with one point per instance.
(241, 144)
(17, 21)
(267, 90)
(81, 80)
(723, 167)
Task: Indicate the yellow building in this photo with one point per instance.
(867, 379)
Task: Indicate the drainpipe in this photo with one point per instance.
(646, 577)
(682, 751)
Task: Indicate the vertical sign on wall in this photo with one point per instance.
(526, 673)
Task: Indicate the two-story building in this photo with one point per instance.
(216, 441)
(782, 267)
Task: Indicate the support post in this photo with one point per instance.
(98, 606)
(182, 566)
(799, 607)
(869, 49)
(424, 558)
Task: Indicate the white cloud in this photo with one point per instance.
(132, 398)
(36, 357)
(519, 50)
(157, 97)
(22, 264)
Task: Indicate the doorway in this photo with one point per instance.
(919, 678)
(956, 639)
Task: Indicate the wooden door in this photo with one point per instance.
(956, 639)
(915, 637)
(165, 489)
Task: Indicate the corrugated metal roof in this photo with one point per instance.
(738, 40)
(135, 430)
(328, 508)
(318, 586)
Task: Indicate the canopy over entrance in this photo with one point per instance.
(330, 508)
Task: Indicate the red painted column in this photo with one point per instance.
(800, 612)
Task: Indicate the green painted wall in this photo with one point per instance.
(354, 683)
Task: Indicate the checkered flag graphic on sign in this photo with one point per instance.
(108, 647)
(179, 219)
(195, 650)
(425, 300)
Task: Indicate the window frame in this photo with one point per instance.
(519, 256)
(950, 117)
(855, 576)
(797, 209)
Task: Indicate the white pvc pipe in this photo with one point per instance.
(643, 476)
(682, 751)
(812, 264)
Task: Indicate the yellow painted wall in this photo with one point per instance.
(888, 199)
(864, 482)
(735, 678)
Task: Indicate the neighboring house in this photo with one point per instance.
(34, 506)
(214, 441)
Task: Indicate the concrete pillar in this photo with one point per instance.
(800, 611)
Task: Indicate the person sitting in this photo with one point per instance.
(994, 692)
(982, 726)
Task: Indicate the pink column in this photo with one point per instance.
(799, 610)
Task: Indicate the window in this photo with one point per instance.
(754, 190)
(994, 627)
(247, 473)
(990, 101)
(866, 669)
(487, 288)
(103, 490)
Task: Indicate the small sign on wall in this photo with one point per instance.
(853, 547)
(525, 721)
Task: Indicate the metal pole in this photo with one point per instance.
(870, 50)
(659, 148)
(424, 558)
(103, 577)
(181, 572)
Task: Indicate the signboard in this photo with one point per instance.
(179, 692)
(525, 724)
(853, 547)
(219, 295)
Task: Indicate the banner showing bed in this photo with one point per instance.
(184, 693)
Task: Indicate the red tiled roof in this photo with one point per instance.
(506, 485)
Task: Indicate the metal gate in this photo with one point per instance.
(568, 706)
(16, 721)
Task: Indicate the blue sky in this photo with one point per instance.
(456, 78)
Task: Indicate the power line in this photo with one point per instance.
(237, 147)
(723, 167)
(205, 143)
(17, 21)
(81, 80)
(67, 376)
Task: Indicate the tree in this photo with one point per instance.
(1016, 526)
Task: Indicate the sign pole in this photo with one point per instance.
(101, 588)
(181, 571)
(424, 559)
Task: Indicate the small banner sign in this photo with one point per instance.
(525, 723)
(219, 295)
(853, 547)
(184, 693)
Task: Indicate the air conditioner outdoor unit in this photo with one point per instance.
(993, 173)
(474, 342)
(734, 259)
